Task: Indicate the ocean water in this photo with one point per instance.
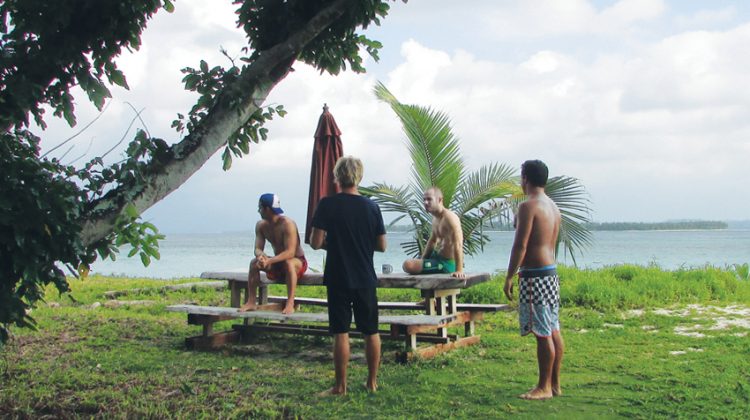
(188, 255)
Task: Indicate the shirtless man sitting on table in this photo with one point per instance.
(289, 261)
(444, 252)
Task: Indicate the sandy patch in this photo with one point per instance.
(724, 323)
(722, 318)
(690, 349)
(613, 325)
(687, 333)
(634, 313)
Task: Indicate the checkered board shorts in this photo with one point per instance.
(539, 302)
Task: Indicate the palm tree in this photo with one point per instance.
(476, 197)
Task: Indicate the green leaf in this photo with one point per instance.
(244, 145)
(168, 6)
(149, 226)
(227, 158)
(118, 78)
(191, 81)
(131, 211)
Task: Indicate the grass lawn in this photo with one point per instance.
(684, 358)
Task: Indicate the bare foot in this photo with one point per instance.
(331, 392)
(556, 391)
(288, 309)
(537, 394)
(371, 388)
(247, 307)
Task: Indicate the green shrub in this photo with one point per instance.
(630, 286)
(633, 286)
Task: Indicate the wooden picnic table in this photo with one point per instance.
(439, 306)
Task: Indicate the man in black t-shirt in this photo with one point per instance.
(350, 228)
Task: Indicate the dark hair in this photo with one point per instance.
(536, 172)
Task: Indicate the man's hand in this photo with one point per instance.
(262, 261)
(458, 274)
(508, 289)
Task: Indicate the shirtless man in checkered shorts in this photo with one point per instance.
(533, 257)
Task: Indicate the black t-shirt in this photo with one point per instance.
(352, 223)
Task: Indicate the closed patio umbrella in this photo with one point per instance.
(327, 149)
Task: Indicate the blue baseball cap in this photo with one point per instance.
(271, 200)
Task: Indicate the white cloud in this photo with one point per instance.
(540, 18)
(626, 12)
(703, 18)
(694, 69)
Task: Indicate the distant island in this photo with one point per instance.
(675, 225)
(613, 226)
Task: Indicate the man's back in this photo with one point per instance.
(352, 223)
(545, 226)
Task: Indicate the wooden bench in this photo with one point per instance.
(411, 329)
(439, 306)
(403, 306)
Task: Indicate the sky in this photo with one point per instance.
(641, 100)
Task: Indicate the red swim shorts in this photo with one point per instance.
(277, 270)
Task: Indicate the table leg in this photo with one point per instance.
(469, 328)
(444, 300)
(411, 342)
(263, 295)
(235, 289)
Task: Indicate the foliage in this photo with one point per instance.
(632, 286)
(208, 83)
(49, 47)
(268, 23)
(476, 197)
(741, 271)
(623, 287)
(56, 215)
(38, 212)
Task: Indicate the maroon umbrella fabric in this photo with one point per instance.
(326, 151)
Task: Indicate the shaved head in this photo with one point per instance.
(437, 192)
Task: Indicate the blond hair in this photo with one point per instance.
(348, 171)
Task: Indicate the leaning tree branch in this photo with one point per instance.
(255, 82)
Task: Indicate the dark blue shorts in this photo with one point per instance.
(343, 302)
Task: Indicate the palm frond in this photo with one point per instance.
(390, 198)
(474, 238)
(431, 143)
(402, 200)
(490, 182)
(572, 200)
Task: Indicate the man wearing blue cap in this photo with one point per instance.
(288, 262)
